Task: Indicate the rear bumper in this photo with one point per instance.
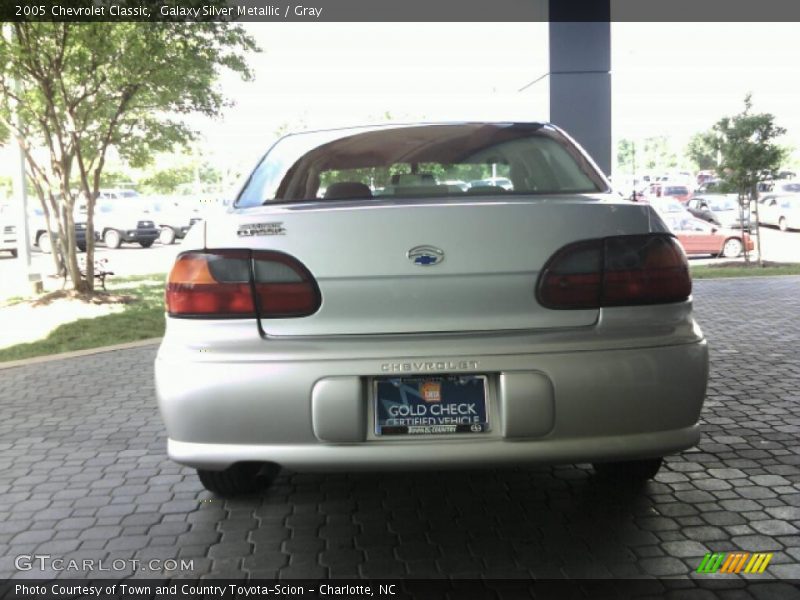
(139, 235)
(549, 407)
(436, 454)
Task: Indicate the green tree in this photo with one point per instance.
(83, 88)
(748, 154)
(626, 156)
(167, 181)
(703, 150)
(657, 153)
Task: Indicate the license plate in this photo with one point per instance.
(430, 405)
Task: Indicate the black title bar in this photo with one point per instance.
(400, 10)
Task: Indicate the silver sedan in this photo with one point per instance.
(319, 325)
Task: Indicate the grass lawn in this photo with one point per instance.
(141, 318)
(740, 270)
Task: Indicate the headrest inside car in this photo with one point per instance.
(347, 189)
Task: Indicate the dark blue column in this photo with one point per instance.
(580, 74)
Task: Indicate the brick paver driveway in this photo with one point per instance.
(83, 474)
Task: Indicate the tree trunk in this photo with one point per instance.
(71, 256)
(758, 235)
(741, 224)
(89, 281)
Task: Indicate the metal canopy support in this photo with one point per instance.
(580, 74)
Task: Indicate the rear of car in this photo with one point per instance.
(428, 327)
(119, 221)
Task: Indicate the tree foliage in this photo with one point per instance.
(703, 150)
(83, 88)
(748, 152)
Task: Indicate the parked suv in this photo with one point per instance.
(174, 217)
(121, 221)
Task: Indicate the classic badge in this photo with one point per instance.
(261, 229)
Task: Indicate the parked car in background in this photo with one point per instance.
(8, 230)
(428, 329)
(781, 206)
(698, 236)
(174, 216)
(118, 221)
(664, 189)
(502, 182)
(37, 226)
(720, 209)
(705, 177)
(457, 183)
(709, 186)
(117, 194)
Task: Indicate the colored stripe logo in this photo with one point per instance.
(735, 562)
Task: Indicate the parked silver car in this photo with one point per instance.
(720, 209)
(781, 206)
(429, 327)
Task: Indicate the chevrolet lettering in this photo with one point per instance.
(552, 333)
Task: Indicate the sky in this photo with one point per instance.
(672, 79)
(669, 79)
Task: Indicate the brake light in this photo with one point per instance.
(240, 284)
(623, 270)
(283, 286)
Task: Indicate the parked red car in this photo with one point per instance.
(672, 190)
(698, 236)
(701, 237)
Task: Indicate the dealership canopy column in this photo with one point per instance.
(580, 74)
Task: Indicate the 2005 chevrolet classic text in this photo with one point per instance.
(353, 311)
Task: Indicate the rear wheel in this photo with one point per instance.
(782, 224)
(241, 478)
(732, 248)
(166, 236)
(146, 244)
(81, 247)
(43, 241)
(112, 239)
(630, 470)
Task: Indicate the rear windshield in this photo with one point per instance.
(421, 161)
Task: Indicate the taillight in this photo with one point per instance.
(623, 270)
(240, 284)
(283, 286)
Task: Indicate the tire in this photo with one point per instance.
(43, 241)
(146, 244)
(629, 470)
(782, 224)
(112, 239)
(81, 247)
(167, 236)
(732, 248)
(238, 479)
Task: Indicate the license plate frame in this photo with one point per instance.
(467, 414)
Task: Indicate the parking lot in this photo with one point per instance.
(84, 475)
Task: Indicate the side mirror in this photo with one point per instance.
(714, 230)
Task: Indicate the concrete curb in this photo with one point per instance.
(78, 353)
